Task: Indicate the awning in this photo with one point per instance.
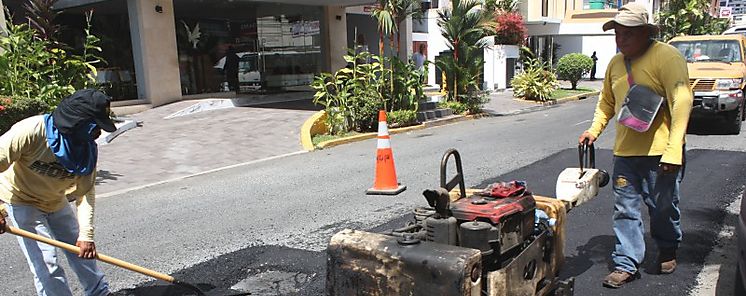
(66, 4)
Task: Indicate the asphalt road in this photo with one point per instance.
(263, 227)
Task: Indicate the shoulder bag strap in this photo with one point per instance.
(628, 65)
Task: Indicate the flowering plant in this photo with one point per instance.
(510, 29)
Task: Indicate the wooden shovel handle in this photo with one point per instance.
(100, 257)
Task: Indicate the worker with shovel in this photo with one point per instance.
(44, 160)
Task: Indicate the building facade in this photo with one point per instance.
(160, 51)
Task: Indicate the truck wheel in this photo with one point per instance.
(734, 119)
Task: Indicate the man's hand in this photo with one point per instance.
(87, 250)
(586, 136)
(668, 168)
(3, 224)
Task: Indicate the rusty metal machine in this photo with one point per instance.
(466, 242)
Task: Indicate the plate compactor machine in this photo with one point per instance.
(502, 240)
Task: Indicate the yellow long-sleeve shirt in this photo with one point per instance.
(663, 69)
(31, 175)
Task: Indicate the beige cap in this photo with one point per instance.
(632, 14)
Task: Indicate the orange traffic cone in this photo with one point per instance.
(385, 182)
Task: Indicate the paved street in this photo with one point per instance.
(263, 226)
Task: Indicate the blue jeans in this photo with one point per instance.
(637, 180)
(49, 277)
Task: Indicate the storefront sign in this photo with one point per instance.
(305, 28)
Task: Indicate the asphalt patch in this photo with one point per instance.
(712, 181)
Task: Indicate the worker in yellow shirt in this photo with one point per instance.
(648, 165)
(44, 160)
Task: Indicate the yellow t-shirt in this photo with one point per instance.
(31, 175)
(663, 69)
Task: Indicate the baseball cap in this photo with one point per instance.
(632, 14)
(83, 106)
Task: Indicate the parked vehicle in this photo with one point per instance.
(717, 75)
(737, 29)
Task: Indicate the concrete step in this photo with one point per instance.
(427, 115)
(427, 106)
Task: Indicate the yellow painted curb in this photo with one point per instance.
(314, 125)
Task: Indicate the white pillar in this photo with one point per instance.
(154, 49)
(335, 30)
(2, 19)
(405, 39)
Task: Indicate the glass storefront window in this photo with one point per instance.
(245, 47)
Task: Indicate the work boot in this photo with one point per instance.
(667, 260)
(618, 277)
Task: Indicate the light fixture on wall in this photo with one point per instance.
(159, 9)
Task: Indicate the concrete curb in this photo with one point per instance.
(314, 125)
(316, 120)
(562, 100)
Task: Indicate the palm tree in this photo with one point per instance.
(390, 14)
(464, 26)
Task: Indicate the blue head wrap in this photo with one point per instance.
(76, 151)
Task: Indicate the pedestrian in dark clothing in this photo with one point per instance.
(593, 69)
(231, 68)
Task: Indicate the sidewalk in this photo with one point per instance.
(187, 143)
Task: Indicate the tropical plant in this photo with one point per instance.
(400, 118)
(42, 69)
(464, 27)
(688, 17)
(407, 85)
(389, 14)
(510, 29)
(352, 96)
(41, 17)
(537, 82)
(502, 6)
(455, 106)
(573, 66)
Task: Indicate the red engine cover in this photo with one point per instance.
(492, 209)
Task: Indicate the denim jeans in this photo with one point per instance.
(637, 180)
(49, 277)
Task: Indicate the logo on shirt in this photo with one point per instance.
(51, 169)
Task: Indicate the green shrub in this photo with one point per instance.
(401, 118)
(352, 96)
(455, 106)
(573, 66)
(474, 101)
(536, 83)
(14, 110)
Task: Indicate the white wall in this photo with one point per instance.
(603, 45)
(435, 43)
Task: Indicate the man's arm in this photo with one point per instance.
(679, 97)
(85, 204)
(604, 112)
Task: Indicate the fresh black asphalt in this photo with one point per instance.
(713, 180)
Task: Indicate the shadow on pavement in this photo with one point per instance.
(716, 126)
(103, 176)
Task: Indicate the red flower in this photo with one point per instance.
(2, 108)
